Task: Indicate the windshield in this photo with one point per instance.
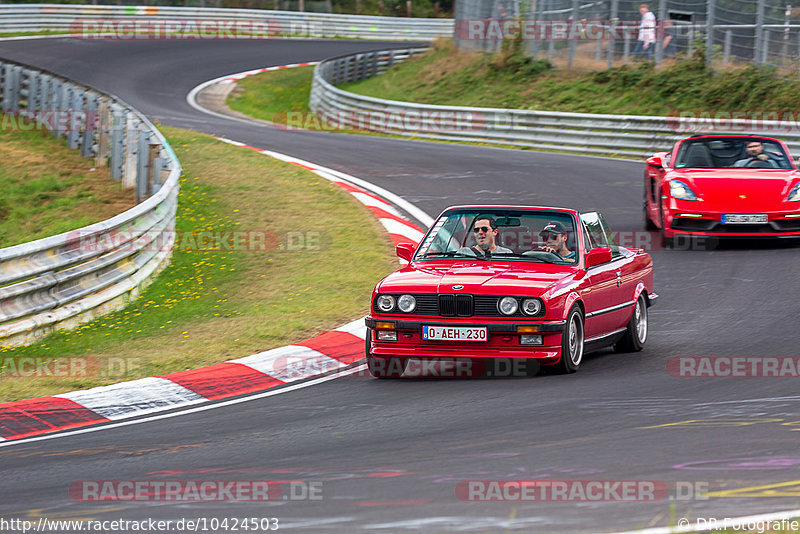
(518, 235)
(731, 152)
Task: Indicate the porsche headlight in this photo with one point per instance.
(681, 191)
(406, 303)
(794, 194)
(531, 306)
(508, 305)
(385, 303)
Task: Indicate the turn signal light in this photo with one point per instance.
(527, 329)
(384, 325)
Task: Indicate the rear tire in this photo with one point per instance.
(636, 334)
(383, 367)
(572, 341)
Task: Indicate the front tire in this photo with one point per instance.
(636, 334)
(383, 367)
(572, 342)
(648, 222)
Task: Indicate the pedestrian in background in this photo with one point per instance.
(647, 34)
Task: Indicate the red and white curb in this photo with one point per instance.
(329, 352)
(239, 75)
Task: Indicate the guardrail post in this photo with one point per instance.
(74, 106)
(129, 160)
(63, 97)
(34, 88)
(103, 133)
(90, 126)
(118, 122)
(142, 142)
(153, 165)
(10, 87)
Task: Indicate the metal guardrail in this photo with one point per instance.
(634, 136)
(65, 17)
(63, 280)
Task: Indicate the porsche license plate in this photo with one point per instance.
(455, 333)
(744, 218)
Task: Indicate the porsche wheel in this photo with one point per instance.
(572, 341)
(383, 367)
(648, 222)
(636, 334)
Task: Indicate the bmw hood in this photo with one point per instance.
(476, 278)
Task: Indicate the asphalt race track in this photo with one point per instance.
(390, 454)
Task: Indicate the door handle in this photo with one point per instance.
(619, 278)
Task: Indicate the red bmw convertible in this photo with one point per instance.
(532, 283)
(723, 186)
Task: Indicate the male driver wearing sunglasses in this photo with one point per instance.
(485, 230)
(554, 235)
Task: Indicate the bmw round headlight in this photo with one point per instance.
(385, 303)
(508, 305)
(531, 306)
(406, 303)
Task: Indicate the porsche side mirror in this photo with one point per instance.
(655, 161)
(597, 256)
(405, 251)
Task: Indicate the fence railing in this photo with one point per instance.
(633, 136)
(63, 280)
(79, 20)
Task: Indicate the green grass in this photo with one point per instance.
(209, 306)
(48, 189)
(509, 80)
(271, 95)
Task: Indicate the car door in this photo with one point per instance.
(605, 306)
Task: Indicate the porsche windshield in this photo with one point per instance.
(731, 153)
(520, 235)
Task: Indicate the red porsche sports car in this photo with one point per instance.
(723, 186)
(536, 283)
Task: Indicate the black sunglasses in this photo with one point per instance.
(549, 236)
(481, 229)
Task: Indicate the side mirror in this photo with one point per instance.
(598, 256)
(405, 251)
(655, 161)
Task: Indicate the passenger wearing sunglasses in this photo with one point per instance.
(554, 235)
(484, 229)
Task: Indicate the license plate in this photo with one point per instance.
(744, 218)
(455, 333)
